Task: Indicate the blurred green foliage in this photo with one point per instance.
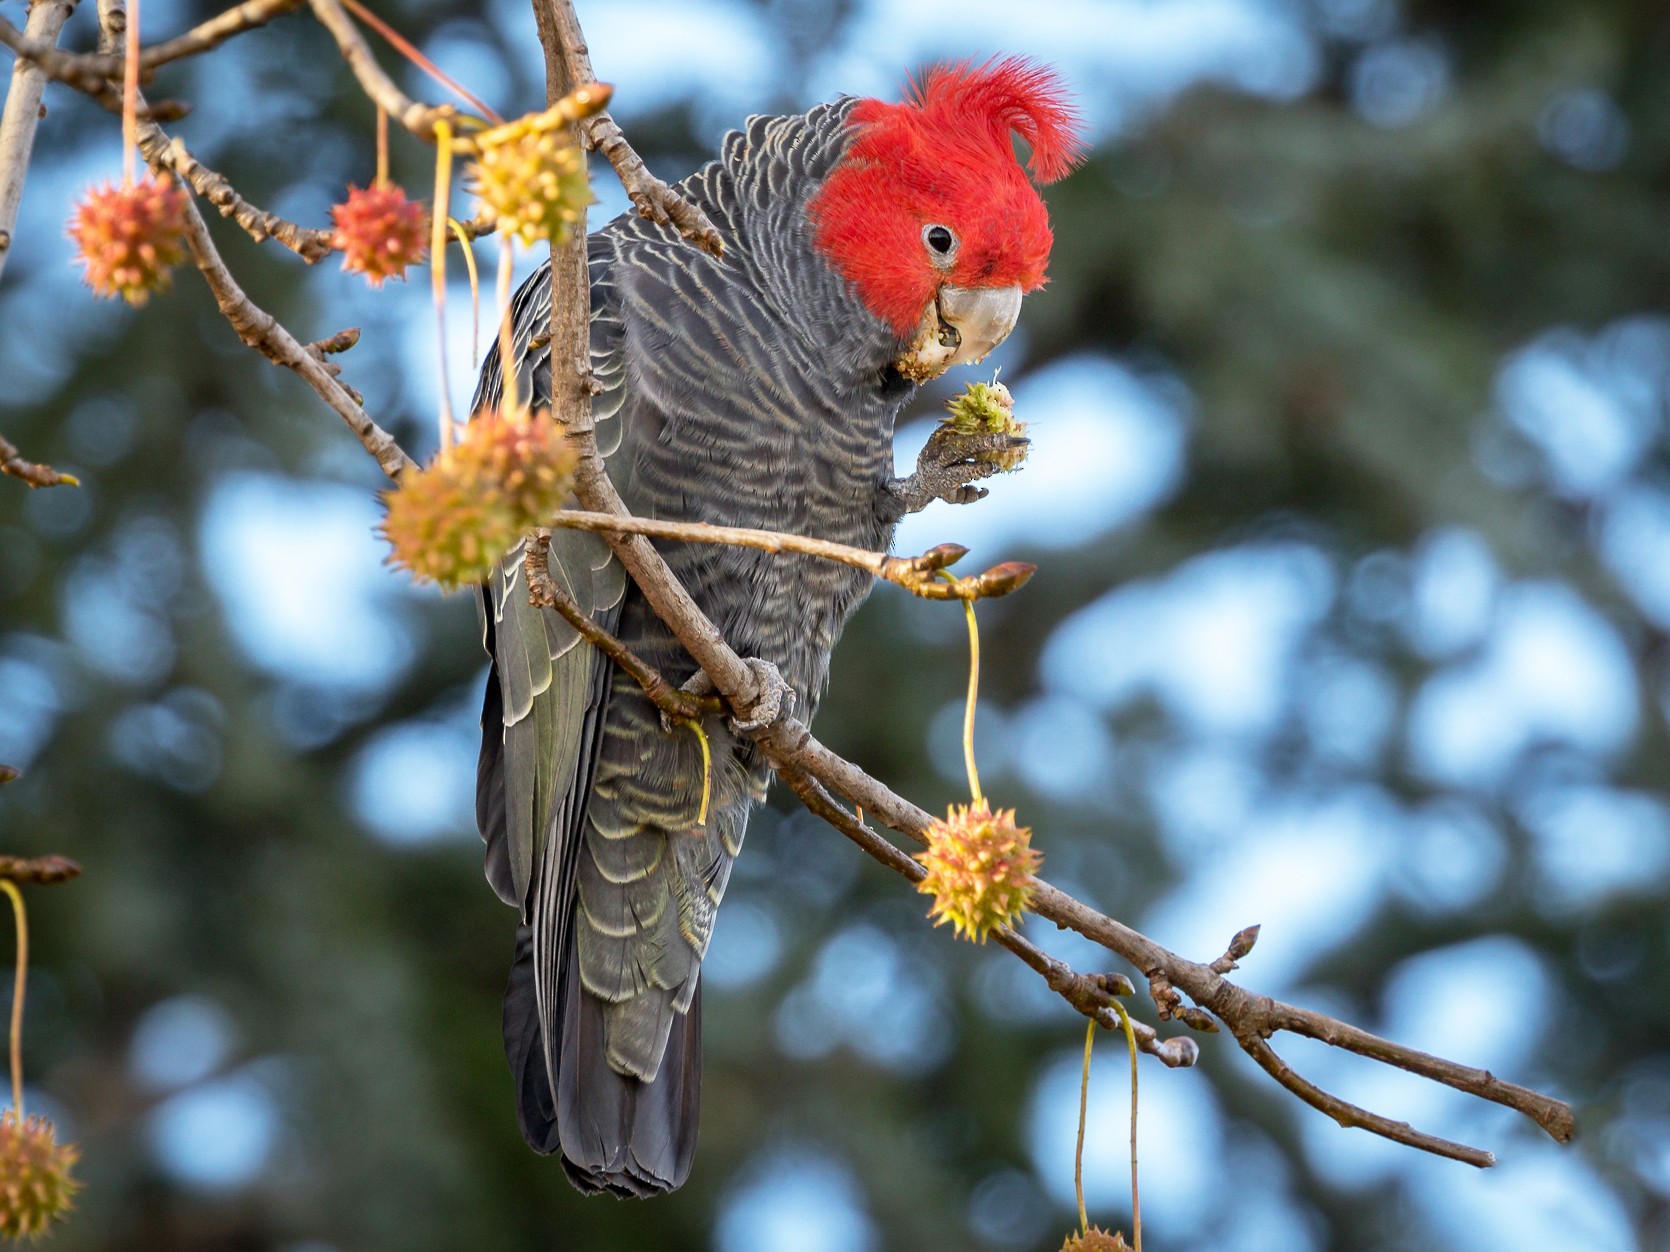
(1338, 297)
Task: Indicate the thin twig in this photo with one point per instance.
(920, 575)
(39, 871)
(36, 475)
(261, 331)
(260, 224)
(23, 112)
(418, 118)
(95, 72)
(565, 43)
(408, 50)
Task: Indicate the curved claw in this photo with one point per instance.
(773, 698)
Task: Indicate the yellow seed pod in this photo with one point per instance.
(1096, 1240)
(980, 866)
(988, 409)
(36, 1189)
(451, 521)
(532, 183)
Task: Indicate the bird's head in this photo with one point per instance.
(932, 219)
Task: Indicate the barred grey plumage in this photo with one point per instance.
(753, 390)
(865, 244)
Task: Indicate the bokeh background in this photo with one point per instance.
(1352, 500)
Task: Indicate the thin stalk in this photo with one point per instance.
(968, 712)
(130, 96)
(437, 267)
(404, 46)
(510, 401)
(457, 228)
(16, 898)
(1084, 1102)
(1136, 1202)
(707, 768)
(382, 146)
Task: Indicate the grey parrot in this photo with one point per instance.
(868, 246)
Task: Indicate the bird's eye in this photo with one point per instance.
(939, 238)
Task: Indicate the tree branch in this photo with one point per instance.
(793, 751)
(94, 72)
(23, 113)
(418, 118)
(565, 46)
(164, 153)
(261, 331)
(920, 575)
(39, 871)
(12, 463)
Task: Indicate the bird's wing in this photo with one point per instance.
(547, 692)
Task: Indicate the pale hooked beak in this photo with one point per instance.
(960, 327)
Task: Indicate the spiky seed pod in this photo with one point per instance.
(35, 1184)
(980, 866)
(129, 237)
(532, 184)
(451, 521)
(379, 232)
(988, 409)
(1096, 1240)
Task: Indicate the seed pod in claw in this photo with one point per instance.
(989, 409)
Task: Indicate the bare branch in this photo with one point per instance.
(560, 32)
(39, 871)
(93, 72)
(261, 331)
(23, 113)
(418, 118)
(918, 575)
(164, 153)
(13, 464)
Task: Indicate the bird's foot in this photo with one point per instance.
(773, 697)
(951, 462)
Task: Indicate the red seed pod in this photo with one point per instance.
(128, 238)
(380, 232)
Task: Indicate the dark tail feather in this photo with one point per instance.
(489, 787)
(535, 1110)
(617, 1134)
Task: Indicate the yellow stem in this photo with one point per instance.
(510, 404)
(1136, 1203)
(437, 266)
(457, 229)
(382, 146)
(968, 713)
(1078, 1153)
(707, 767)
(17, 992)
(130, 96)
